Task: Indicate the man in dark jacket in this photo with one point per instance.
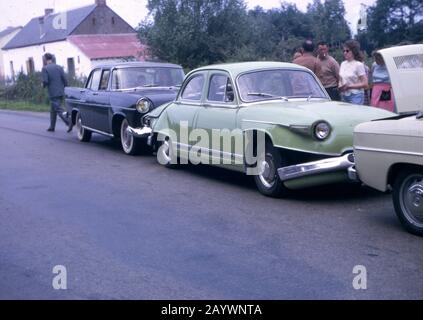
(55, 80)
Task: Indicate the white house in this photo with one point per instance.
(79, 39)
(5, 36)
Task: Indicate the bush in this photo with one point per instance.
(30, 88)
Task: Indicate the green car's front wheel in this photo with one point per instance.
(267, 180)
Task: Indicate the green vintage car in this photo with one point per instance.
(272, 120)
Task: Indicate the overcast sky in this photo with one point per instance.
(19, 12)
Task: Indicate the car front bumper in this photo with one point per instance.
(142, 133)
(316, 168)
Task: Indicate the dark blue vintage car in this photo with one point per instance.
(116, 97)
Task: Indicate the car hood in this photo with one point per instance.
(407, 126)
(158, 96)
(308, 112)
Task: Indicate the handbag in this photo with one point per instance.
(385, 95)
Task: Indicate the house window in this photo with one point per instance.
(93, 21)
(12, 71)
(71, 67)
(113, 20)
(30, 68)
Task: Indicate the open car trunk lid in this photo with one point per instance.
(405, 67)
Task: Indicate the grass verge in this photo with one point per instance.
(23, 106)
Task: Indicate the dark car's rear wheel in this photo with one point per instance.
(130, 144)
(267, 181)
(408, 200)
(83, 134)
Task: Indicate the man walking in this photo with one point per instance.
(329, 75)
(308, 60)
(55, 80)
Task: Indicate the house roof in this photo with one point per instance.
(31, 33)
(104, 46)
(8, 31)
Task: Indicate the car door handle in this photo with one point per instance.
(95, 93)
(81, 91)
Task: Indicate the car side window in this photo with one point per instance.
(95, 80)
(116, 83)
(194, 88)
(104, 83)
(220, 89)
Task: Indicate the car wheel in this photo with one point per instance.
(83, 134)
(166, 154)
(130, 144)
(268, 182)
(408, 200)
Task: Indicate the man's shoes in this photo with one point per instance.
(50, 130)
(70, 127)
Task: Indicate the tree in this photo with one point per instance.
(195, 32)
(394, 21)
(328, 21)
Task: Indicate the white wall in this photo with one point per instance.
(3, 42)
(62, 50)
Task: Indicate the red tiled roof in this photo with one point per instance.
(103, 46)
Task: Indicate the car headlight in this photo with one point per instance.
(322, 130)
(143, 105)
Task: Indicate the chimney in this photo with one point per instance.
(100, 2)
(48, 11)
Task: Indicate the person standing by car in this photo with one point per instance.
(353, 78)
(307, 59)
(55, 81)
(382, 95)
(329, 75)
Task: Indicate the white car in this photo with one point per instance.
(389, 153)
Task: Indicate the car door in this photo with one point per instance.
(98, 102)
(181, 116)
(217, 117)
(87, 115)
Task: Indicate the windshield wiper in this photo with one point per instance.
(260, 94)
(153, 85)
(266, 95)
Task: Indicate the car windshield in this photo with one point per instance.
(132, 78)
(278, 84)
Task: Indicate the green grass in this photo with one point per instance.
(23, 106)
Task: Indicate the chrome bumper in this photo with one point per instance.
(319, 167)
(143, 132)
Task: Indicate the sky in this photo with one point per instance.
(19, 12)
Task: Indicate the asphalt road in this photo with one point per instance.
(126, 228)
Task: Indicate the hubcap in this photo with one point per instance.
(79, 128)
(412, 199)
(268, 172)
(126, 136)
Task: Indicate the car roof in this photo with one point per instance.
(144, 64)
(405, 67)
(242, 67)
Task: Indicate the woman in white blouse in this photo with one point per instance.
(352, 74)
